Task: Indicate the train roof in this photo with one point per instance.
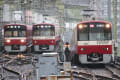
(102, 21)
(27, 26)
(44, 23)
(15, 24)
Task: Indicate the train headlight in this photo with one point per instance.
(106, 49)
(22, 40)
(83, 49)
(35, 41)
(80, 26)
(8, 40)
(107, 25)
(51, 41)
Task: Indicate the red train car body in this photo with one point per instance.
(92, 42)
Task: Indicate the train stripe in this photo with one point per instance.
(43, 38)
(95, 42)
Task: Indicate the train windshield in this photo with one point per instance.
(94, 31)
(43, 30)
(15, 31)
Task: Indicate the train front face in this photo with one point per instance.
(15, 38)
(43, 37)
(94, 42)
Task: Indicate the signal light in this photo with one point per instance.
(91, 25)
(8, 26)
(46, 26)
(42, 26)
(15, 26)
(67, 45)
(49, 26)
(11, 26)
(20, 56)
(107, 25)
(38, 26)
(18, 26)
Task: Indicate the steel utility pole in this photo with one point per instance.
(115, 25)
(60, 16)
(60, 12)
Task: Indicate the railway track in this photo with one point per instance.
(92, 74)
(114, 68)
(8, 75)
(106, 72)
(14, 64)
(16, 59)
(81, 72)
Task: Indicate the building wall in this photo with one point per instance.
(105, 11)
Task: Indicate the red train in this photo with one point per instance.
(16, 38)
(92, 42)
(44, 37)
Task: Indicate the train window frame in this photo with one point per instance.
(52, 30)
(78, 32)
(13, 29)
(101, 31)
(8, 34)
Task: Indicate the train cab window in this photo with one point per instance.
(48, 33)
(52, 33)
(15, 33)
(96, 36)
(8, 33)
(22, 33)
(83, 36)
(45, 33)
(36, 33)
(83, 33)
(107, 36)
(43, 30)
(99, 32)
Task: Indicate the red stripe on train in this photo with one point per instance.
(15, 41)
(102, 49)
(48, 42)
